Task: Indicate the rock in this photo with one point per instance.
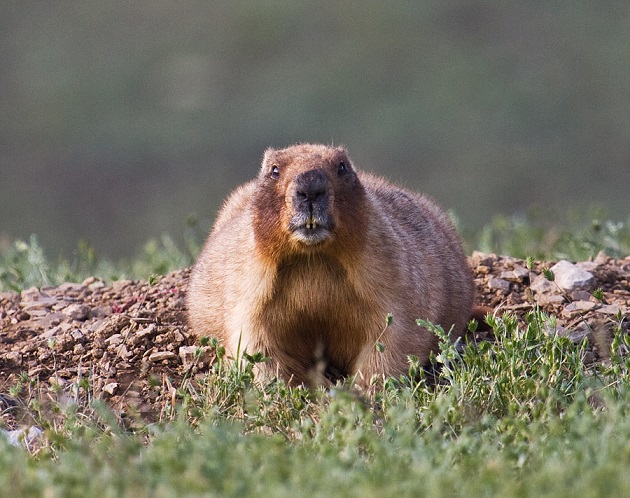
(579, 332)
(542, 285)
(110, 388)
(482, 259)
(68, 287)
(77, 312)
(114, 340)
(549, 299)
(121, 284)
(580, 295)
(569, 276)
(499, 284)
(33, 301)
(162, 355)
(609, 309)
(602, 258)
(578, 307)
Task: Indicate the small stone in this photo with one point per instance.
(580, 295)
(542, 285)
(77, 335)
(114, 340)
(569, 276)
(609, 309)
(96, 285)
(521, 272)
(602, 258)
(118, 285)
(52, 332)
(544, 299)
(110, 388)
(68, 287)
(13, 358)
(146, 331)
(579, 333)
(484, 270)
(499, 284)
(578, 307)
(483, 259)
(162, 355)
(122, 352)
(77, 312)
(38, 301)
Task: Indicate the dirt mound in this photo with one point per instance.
(130, 340)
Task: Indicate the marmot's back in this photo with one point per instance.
(305, 262)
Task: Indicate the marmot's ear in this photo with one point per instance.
(267, 158)
(269, 152)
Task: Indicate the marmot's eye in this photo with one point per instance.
(341, 169)
(275, 173)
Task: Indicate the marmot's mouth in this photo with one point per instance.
(309, 229)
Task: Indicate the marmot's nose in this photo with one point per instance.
(310, 185)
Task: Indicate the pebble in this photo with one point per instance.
(77, 312)
(110, 388)
(569, 276)
(162, 355)
(544, 299)
(609, 309)
(542, 285)
(499, 284)
(479, 258)
(577, 307)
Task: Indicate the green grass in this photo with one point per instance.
(524, 416)
(544, 234)
(25, 264)
(540, 234)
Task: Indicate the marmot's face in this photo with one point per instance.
(304, 193)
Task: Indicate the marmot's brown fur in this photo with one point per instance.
(305, 262)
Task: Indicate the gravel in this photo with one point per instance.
(131, 340)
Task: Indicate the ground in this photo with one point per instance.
(128, 343)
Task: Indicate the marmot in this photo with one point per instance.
(305, 262)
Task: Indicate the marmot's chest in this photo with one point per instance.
(312, 286)
(314, 297)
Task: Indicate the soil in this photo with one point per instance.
(130, 339)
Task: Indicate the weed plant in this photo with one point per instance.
(521, 416)
(538, 233)
(547, 235)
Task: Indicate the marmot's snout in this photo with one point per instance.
(311, 222)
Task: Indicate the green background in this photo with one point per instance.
(120, 119)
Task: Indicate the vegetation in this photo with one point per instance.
(538, 233)
(544, 234)
(523, 416)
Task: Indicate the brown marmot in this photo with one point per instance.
(305, 262)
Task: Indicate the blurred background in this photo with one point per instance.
(123, 120)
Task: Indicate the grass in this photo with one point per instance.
(523, 416)
(539, 234)
(545, 234)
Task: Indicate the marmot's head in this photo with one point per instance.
(308, 197)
